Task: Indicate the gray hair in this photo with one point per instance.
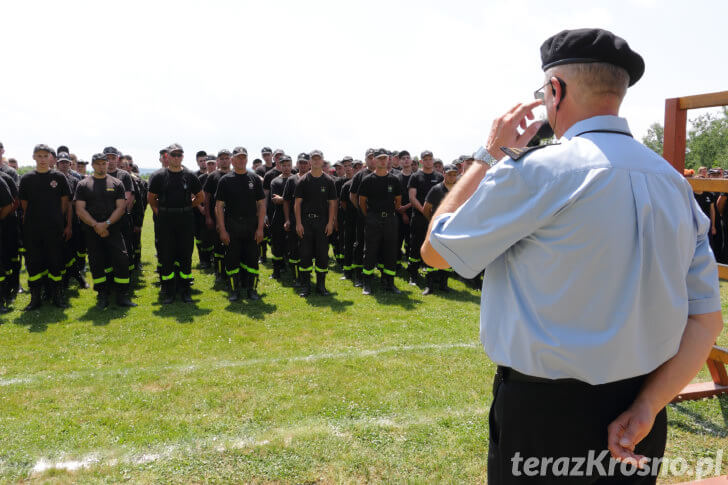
(596, 78)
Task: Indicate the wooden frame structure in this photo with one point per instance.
(675, 135)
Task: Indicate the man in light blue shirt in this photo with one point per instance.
(601, 300)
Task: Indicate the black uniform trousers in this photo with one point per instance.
(314, 244)
(43, 252)
(404, 234)
(337, 238)
(418, 231)
(380, 243)
(243, 251)
(126, 224)
(9, 255)
(176, 242)
(360, 227)
(71, 247)
(570, 418)
(278, 241)
(349, 237)
(293, 247)
(107, 257)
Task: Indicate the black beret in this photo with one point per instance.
(591, 45)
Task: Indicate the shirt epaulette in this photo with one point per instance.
(518, 153)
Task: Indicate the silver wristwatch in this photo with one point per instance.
(482, 156)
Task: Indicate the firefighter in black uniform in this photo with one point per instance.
(358, 262)
(100, 204)
(10, 241)
(278, 219)
(8, 205)
(173, 194)
(207, 234)
(337, 238)
(380, 195)
(240, 211)
(267, 179)
(315, 208)
(210, 187)
(437, 279)
(138, 211)
(347, 228)
(201, 157)
(293, 242)
(405, 209)
(45, 198)
(418, 186)
(126, 222)
(72, 246)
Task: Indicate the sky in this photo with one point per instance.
(339, 76)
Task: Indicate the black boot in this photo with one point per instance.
(305, 280)
(276, 275)
(36, 301)
(297, 277)
(122, 296)
(443, 277)
(4, 308)
(219, 271)
(102, 296)
(389, 285)
(263, 252)
(80, 280)
(412, 270)
(366, 285)
(59, 300)
(347, 275)
(167, 293)
(186, 291)
(357, 278)
(253, 287)
(430, 289)
(321, 284)
(234, 287)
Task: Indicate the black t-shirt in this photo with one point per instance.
(125, 178)
(356, 181)
(277, 187)
(289, 194)
(100, 195)
(316, 193)
(240, 192)
(6, 196)
(211, 188)
(174, 189)
(423, 182)
(380, 192)
(338, 183)
(10, 171)
(269, 176)
(435, 195)
(12, 184)
(404, 182)
(705, 200)
(43, 192)
(350, 211)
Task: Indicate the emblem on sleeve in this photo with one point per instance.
(54, 184)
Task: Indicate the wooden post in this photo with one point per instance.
(673, 148)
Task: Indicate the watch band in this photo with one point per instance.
(482, 155)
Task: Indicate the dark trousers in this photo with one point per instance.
(107, 257)
(43, 253)
(315, 244)
(404, 235)
(562, 418)
(278, 241)
(349, 237)
(242, 253)
(126, 225)
(293, 244)
(176, 242)
(10, 246)
(382, 235)
(418, 230)
(359, 241)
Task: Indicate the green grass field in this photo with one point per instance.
(340, 389)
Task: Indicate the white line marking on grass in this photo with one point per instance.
(124, 372)
(338, 428)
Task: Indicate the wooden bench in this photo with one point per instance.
(717, 361)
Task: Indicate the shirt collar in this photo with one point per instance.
(607, 122)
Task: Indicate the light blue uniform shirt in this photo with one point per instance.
(595, 252)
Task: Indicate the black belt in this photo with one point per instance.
(382, 214)
(510, 374)
(312, 215)
(174, 210)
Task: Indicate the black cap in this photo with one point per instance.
(266, 150)
(201, 153)
(591, 45)
(42, 147)
(449, 168)
(63, 157)
(437, 160)
(347, 158)
(278, 152)
(63, 148)
(98, 156)
(163, 151)
(240, 151)
(175, 147)
(111, 151)
(380, 152)
(369, 152)
(211, 159)
(357, 162)
(465, 158)
(426, 153)
(285, 158)
(223, 151)
(337, 164)
(82, 162)
(316, 153)
(303, 156)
